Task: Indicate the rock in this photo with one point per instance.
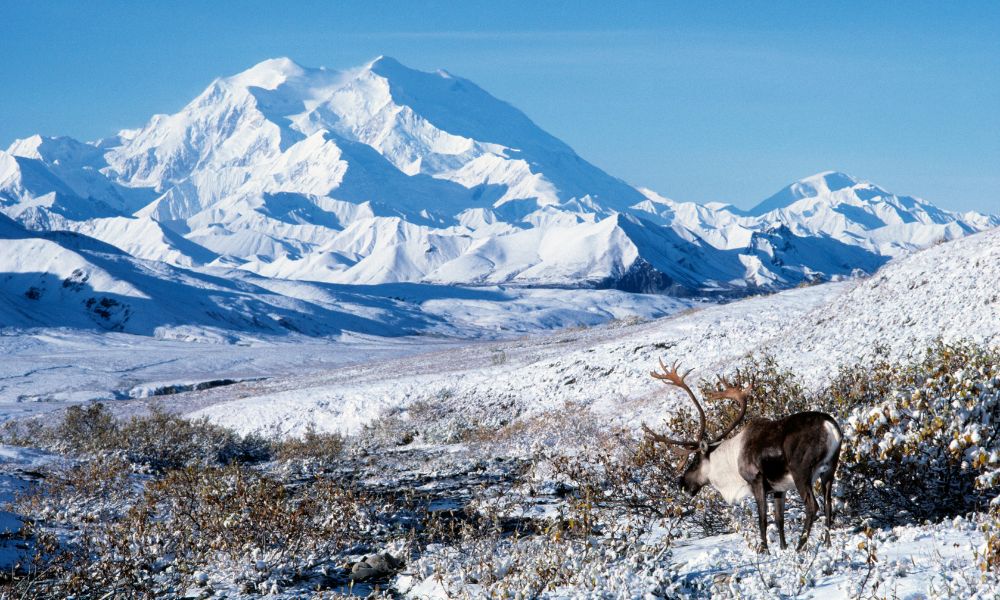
(375, 566)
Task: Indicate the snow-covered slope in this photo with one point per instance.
(61, 279)
(948, 291)
(382, 173)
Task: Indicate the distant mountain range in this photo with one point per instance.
(382, 174)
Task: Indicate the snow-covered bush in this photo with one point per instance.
(606, 530)
(989, 553)
(158, 441)
(930, 446)
(440, 418)
(546, 566)
(234, 527)
(164, 441)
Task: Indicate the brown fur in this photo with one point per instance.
(799, 446)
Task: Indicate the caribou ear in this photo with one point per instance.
(703, 447)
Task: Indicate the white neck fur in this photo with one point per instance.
(724, 471)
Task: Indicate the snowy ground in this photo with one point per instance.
(604, 369)
(47, 368)
(911, 563)
(596, 370)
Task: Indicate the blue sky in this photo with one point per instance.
(700, 101)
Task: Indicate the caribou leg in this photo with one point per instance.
(779, 516)
(809, 499)
(828, 506)
(759, 495)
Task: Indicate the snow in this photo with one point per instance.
(604, 369)
(911, 560)
(947, 291)
(607, 367)
(45, 368)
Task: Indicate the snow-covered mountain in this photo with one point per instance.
(829, 204)
(60, 279)
(384, 174)
(863, 214)
(64, 279)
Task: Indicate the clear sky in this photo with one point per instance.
(700, 101)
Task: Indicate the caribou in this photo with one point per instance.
(766, 457)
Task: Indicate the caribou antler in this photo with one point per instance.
(673, 377)
(725, 389)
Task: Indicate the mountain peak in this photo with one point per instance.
(391, 69)
(829, 181)
(268, 74)
(55, 150)
(26, 147)
(820, 184)
(384, 61)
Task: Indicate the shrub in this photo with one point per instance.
(595, 540)
(930, 447)
(550, 565)
(163, 441)
(498, 357)
(989, 553)
(85, 429)
(621, 478)
(232, 521)
(325, 447)
(443, 418)
(157, 441)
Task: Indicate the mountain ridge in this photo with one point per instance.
(381, 173)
